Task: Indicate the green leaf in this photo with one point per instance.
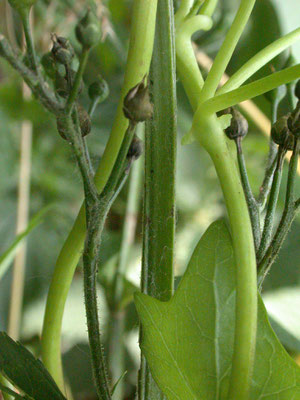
(7, 257)
(26, 372)
(188, 341)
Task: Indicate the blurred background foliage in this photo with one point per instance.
(56, 181)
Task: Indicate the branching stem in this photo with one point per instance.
(251, 201)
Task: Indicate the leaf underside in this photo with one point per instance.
(26, 372)
(188, 341)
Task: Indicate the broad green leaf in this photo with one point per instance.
(188, 341)
(7, 257)
(26, 372)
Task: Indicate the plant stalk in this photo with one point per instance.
(157, 278)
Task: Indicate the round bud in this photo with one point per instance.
(137, 105)
(99, 90)
(136, 148)
(62, 51)
(61, 127)
(88, 30)
(238, 125)
(281, 134)
(61, 85)
(84, 121)
(294, 121)
(48, 64)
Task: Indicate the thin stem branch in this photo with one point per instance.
(227, 49)
(271, 209)
(271, 162)
(250, 90)
(252, 203)
(289, 213)
(25, 17)
(75, 89)
(259, 60)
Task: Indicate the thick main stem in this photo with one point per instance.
(159, 196)
(211, 136)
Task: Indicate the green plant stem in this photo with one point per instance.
(209, 7)
(224, 54)
(25, 17)
(289, 213)
(271, 209)
(254, 89)
(139, 56)
(93, 106)
(252, 203)
(271, 162)
(74, 92)
(157, 278)
(209, 133)
(268, 179)
(259, 60)
(187, 65)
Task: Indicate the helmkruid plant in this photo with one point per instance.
(211, 339)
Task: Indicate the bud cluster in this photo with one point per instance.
(287, 128)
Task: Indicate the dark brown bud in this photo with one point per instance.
(137, 105)
(238, 125)
(61, 127)
(136, 148)
(62, 50)
(281, 134)
(84, 121)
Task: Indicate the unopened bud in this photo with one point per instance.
(136, 148)
(48, 64)
(62, 50)
(99, 90)
(238, 125)
(88, 30)
(137, 105)
(84, 121)
(281, 134)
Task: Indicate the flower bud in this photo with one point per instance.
(62, 50)
(99, 90)
(281, 134)
(137, 105)
(88, 30)
(136, 149)
(84, 121)
(48, 64)
(294, 121)
(22, 6)
(238, 125)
